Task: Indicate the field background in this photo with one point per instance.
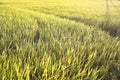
(60, 40)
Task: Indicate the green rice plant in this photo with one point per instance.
(39, 46)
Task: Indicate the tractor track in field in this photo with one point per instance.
(77, 20)
(88, 23)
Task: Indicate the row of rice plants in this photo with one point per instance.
(40, 46)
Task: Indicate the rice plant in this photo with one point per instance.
(57, 40)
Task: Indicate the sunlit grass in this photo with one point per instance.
(41, 40)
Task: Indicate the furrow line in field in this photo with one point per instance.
(104, 27)
(86, 23)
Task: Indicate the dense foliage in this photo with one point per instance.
(46, 40)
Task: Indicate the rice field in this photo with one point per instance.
(59, 40)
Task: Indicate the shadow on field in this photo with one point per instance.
(106, 25)
(1, 3)
(112, 29)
